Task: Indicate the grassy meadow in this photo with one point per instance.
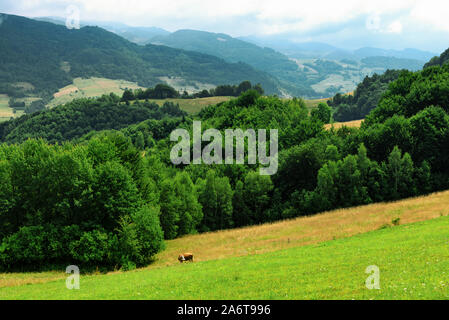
(412, 259)
(92, 87)
(193, 105)
(5, 111)
(349, 124)
(316, 257)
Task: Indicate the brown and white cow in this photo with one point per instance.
(185, 257)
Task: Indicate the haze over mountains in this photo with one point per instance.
(313, 70)
(308, 69)
(310, 49)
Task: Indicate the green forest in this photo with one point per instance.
(365, 98)
(91, 182)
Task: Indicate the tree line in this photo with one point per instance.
(81, 116)
(164, 91)
(365, 97)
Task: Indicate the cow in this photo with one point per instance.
(185, 257)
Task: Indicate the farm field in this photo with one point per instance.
(349, 124)
(412, 260)
(274, 252)
(92, 87)
(193, 105)
(312, 104)
(5, 111)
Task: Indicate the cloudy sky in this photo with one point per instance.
(393, 24)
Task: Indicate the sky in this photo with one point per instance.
(390, 24)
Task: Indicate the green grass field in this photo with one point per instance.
(92, 87)
(413, 260)
(312, 104)
(194, 105)
(5, 111)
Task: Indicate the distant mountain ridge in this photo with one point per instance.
(304, 50)
(48, 56)
(309, 69)
(312, 70)
(139, 35)
(235, 50)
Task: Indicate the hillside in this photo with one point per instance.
(66, 54)
(139, 35)
(321, 71)
(438, 60)
(230, 49)
(305, 230)
(399, 151)
(226, 47)
(89, 88)
(365, 98)
(313, 251)
(81, 116)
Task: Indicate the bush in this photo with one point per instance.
(248, 98)
(25, 247)
(149, 233)
(91, 249)
(322, 113)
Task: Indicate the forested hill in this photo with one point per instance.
(438, 61)
(50, 56)
(365, 97)
(228, 48)
(317, 76)
(82, 116)
(293, 79)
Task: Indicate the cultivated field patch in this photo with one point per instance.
(92, 87)
(194, 105)
(349, 124)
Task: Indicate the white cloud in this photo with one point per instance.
(433, 13)
(373, 23)
(241, 17)
(394, 27)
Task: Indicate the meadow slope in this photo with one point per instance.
(268, 238)
(413, 261)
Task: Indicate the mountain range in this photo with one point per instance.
(313, 70)
(41, 55)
